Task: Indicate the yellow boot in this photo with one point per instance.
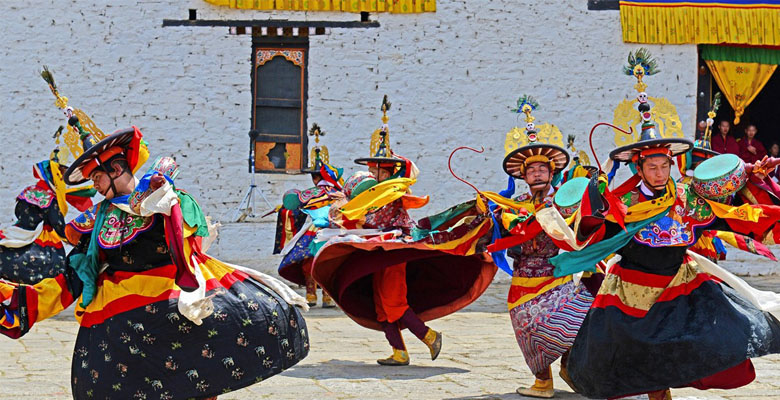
(327, 301)
(660, 395)
(433, 341)
(311, 291)
(399, 357)
(542, 388)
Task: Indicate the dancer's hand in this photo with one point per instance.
(156, 181)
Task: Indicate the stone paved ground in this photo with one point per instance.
(479, 360)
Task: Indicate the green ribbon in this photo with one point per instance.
(192, 213)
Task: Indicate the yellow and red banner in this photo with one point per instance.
(698, 22)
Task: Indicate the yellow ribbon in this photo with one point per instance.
(745, 212)
(59, 186)
(509, 204)
(650, 208)
(376, 197)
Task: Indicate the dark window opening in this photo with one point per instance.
(193, 14)
(279, 95)
(278, 156)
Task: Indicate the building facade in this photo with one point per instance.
(451, 75)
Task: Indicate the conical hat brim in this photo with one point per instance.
(514, 162)
(121, 138)
(626, 153)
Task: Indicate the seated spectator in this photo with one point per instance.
(750, 148)
(723, 142)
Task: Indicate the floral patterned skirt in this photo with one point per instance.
(32, 263)
(545, 326)
(153, 352)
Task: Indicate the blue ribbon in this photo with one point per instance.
(719, 247)
(145, 181)
(611, 174)
(499, 257)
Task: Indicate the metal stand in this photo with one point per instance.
(246, 209)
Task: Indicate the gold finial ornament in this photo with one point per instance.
(657, 116)
(711, 118)
(318, 152)
(538, 143)
(533, 133)
(664, 113)
(380, 139)
(78, 127)
(583, 157)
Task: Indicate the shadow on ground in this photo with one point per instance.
(343, 369)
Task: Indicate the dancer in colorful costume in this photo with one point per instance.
(662, 317)
(32, 248)
(387, 272)
(293, 239)
(159, 318)
(546, 312)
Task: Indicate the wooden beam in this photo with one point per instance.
(601, 5)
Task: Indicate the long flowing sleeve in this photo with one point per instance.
(54, 218)
(21, 306)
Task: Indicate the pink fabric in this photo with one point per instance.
(174, 234)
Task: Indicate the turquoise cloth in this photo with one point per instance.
(319, 216)
(86, 265)
(586, 259)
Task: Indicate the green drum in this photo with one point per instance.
(568, 197)
(291, 199)
(720, 177)
(358, 183)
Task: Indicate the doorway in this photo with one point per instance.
(763, 112)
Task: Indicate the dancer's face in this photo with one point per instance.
(102, 183)
(381, 174)
(655, 172)
(537, 176)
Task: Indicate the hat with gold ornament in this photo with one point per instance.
(580, 163)
(651, 143)
(535, 144)
(380, 152)
(319, 160)
(88, 145)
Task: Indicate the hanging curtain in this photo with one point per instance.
(701, 21)
(740, 82)
(741, 71)
(392, 6)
